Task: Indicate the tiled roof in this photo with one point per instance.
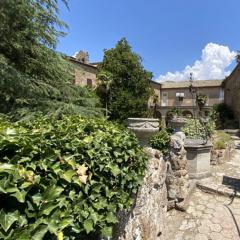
(196, 83)
(81, 63)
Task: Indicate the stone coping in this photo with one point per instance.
(144, 119)
(144, 130)
(212, 188)
(197, 143)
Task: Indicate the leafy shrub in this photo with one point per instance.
(194, 129)
(224, 116)
(219, 144)
(221, 140)
(160, 141)
(65, 178)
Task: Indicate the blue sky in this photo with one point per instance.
(167, 34)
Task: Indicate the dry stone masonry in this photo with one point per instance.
(147, 218)
(178, 185)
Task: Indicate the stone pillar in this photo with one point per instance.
(178, 185)
(146, 220)
(198, 156)
(163, 122)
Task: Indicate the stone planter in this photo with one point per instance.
(177, 123)
(198, 156)
(144, 128)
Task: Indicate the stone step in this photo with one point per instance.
(213, 188)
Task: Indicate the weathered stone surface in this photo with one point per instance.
(146, 219)
(177, 178)
(223, 155)
(198, 156)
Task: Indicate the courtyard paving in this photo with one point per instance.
(210, 216)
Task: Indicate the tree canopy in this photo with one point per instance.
(33, 76)
(129, 88)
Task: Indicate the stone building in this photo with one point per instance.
(176, 94)
(85, 72)
(232, 90)
(171, 94)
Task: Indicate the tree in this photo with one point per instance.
(34, 77)
(105, 79)
(129, 89)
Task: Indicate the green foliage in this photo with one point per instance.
(65, 178)
(195, 129)
(129, 90)
(201, 99)
(221, 140)
(174, 112)
(160, 141)
(224, 116)
(219, 144)
(33, 77)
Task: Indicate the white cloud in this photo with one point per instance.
(75, 54)
(212, 65)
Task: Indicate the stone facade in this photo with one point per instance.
(232, 87)
(168, 93)
(147, 218)
(85, 73)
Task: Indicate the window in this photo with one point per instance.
(89, 82)
(164, 99)
(221, 95)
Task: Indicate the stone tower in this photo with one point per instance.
(82, 56)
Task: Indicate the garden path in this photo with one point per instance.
(211, 216)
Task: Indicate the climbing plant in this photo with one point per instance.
(65, 178)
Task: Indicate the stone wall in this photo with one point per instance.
(84, 73)
(147, 218)
(231, 91)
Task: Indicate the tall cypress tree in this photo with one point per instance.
(129, 89)
(33, 76)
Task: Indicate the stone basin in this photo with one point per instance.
(177, 123)
(144, 128)
(198, 156)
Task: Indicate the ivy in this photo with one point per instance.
(161, 141)
(66, 178)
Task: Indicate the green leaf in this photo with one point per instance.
(37, 198)
(111, 218)
(68, 175)
(114, 169)
(107, 231)
(7, 219)
(88, 225)
(47, 208)
(20, 195)
(66, 223)
(22, 220)
(52, 192)
(88, 139)
(7, 167)
(39, 232)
